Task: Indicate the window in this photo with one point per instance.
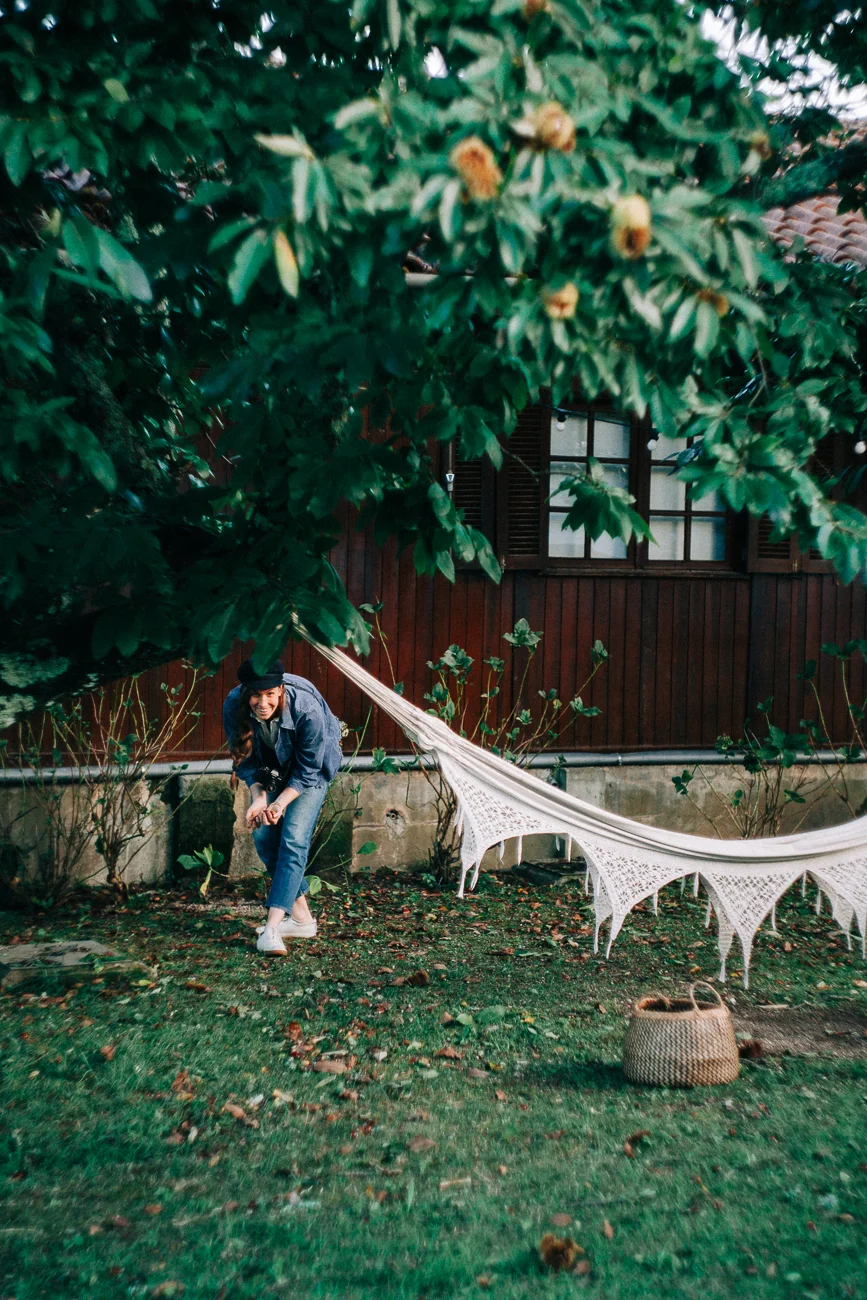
(839, 464)
(524, 513)
(573, 439)
(691, 531)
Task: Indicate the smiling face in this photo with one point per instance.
(263, 705)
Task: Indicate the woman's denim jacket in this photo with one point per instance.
(308, 742)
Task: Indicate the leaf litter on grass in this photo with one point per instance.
(490, 1184)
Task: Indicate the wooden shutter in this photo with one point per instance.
(766, 556)
(473, 493)
(522, 490)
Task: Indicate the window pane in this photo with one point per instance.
(707, 539)
(564, 543)
(666, 447)
(560, 471)
(611, 438)
(666, 491)
(616, 475)
(608, 548)
(571, 440)
(669, 533)
(710, 501)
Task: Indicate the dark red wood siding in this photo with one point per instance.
(689, 658)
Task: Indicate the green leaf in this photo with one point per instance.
(746, 256)
(368, 847)
(684, 318)
(121, 268)
(392, 13)
(287, 264)
(17, 156)
(117, 90)
(706, 329)
(230, 232)
(80, 242)
(357, 111)
(249, 260)
(287, 146)
(448, 207)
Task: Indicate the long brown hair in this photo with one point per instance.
(242, 741)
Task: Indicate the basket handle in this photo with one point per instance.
(700, 984)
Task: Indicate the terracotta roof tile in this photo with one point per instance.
(841, 239)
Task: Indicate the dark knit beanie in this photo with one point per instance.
(272, 676)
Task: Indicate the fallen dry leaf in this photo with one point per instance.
(421, 1144)
(607, 1230)
(323, 1066)
(447, 1018)
(166, 1289)
(349, 1094)
(582, 1268)
(183, 1087)
(197, 986)
(561, 1220)
(237, 1112)
(499, 1094)
(379, 1054)
(153, 1209)
(446, 1183)
(632, 1142)
(559, 1254)
(419, 979)
(473, 1073)
(750, 1049)
(108, 1051)
(294, 1032)
(450, 1053)
(483, 1281)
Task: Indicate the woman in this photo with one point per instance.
(285, 742)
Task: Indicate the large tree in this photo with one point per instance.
(214, 337)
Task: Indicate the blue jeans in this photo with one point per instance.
(284, 848)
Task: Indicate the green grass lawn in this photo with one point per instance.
(435, 1163)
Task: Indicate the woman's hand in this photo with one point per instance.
(258, 811)
(274, 811)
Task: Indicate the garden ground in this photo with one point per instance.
(406, 1105)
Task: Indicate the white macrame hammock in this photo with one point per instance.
(627, 861)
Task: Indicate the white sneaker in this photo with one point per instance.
(270, 943)
(289, 928)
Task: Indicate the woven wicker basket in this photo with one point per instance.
(679, 1043)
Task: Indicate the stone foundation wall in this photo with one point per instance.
(397, 814)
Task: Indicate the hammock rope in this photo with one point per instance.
(627, 861)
